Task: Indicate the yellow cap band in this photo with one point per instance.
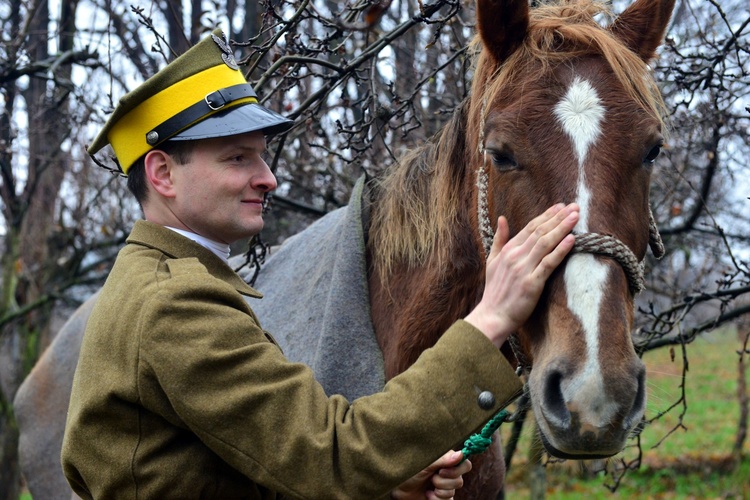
(128, 135)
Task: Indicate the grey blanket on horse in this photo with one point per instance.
(316, 302)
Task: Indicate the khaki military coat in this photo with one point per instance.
(179, 393)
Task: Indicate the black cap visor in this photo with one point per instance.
(236, 120)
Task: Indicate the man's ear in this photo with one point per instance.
(158, 169)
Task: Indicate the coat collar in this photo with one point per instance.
(176, 246)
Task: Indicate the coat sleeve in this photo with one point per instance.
(202, 351)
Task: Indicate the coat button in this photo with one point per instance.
(486, 400)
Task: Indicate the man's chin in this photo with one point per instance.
(251, 230)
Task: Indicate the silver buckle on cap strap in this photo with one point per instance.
(216, 99)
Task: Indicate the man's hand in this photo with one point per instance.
(517, 270)
(439, 480)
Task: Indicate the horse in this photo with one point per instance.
(561, 109)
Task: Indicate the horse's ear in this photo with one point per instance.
(642, 26)
(502, 25)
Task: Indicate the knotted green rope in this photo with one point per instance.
(478, 443)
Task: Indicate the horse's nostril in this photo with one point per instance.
(639, 403)
(555, 409)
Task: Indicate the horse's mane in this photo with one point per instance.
(420, 197)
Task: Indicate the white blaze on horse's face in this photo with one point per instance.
(581, 115)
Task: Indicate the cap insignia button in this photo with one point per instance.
(227, 56)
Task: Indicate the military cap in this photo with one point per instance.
(199, 95)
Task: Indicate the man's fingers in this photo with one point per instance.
(442, 494)
(552, 260)
(549, 236)
(539, 221)
(450, 478)
(454, 472)
(502, 234)
(450, 461)
(550, 221)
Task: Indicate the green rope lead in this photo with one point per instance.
(478, 443)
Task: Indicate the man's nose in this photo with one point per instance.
(266, 181)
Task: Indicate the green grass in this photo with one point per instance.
(656, 484)
(693, 462)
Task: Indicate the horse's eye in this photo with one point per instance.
(651, 156)
(503, 161)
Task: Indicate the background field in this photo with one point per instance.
(691, 463)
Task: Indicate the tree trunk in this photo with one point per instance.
(29, 263)
(10, 474)
(9, 471)
(178, 42)
(742, 397)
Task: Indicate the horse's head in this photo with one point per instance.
(564, 110)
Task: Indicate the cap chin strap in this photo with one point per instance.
(210, 104)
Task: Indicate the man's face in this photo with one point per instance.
(219, 193)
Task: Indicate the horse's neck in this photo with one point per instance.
(416, 305)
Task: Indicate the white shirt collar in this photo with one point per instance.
(220, 249)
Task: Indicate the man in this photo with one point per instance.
(180, 393)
